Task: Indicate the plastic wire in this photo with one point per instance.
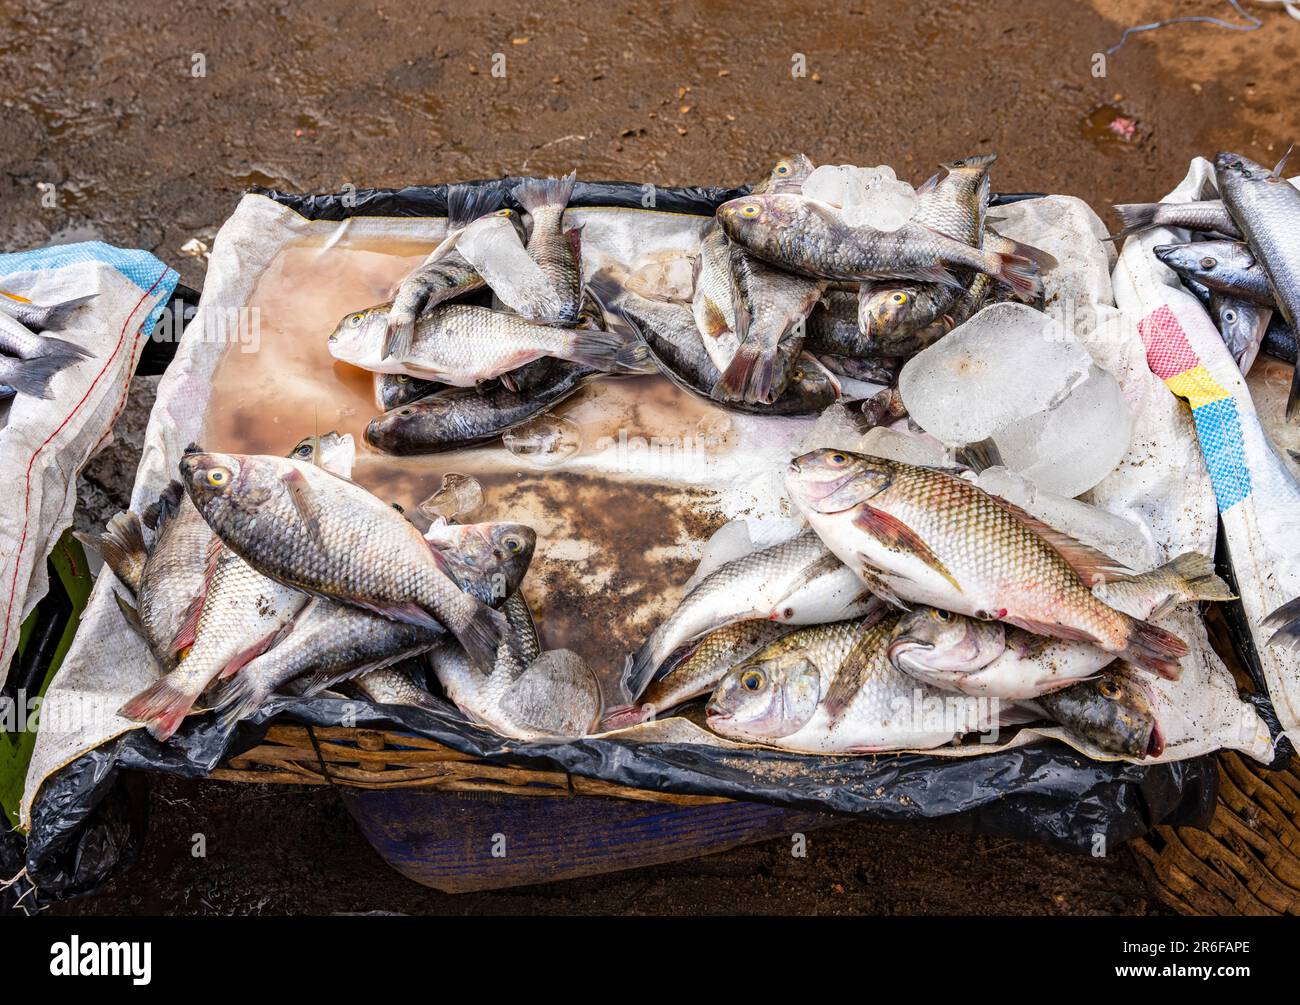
(1205, 19)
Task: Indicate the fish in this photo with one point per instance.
(1280, 339)
(394, 685)
(495, 247)
(712, 303)
(443, 275)
(796, 582)
(393, 390)
(787, 175)
(42, 317)
(325, 535)
(987, 659)
(923, 536)
(1114, 711)
(33, 360)
(1242, 325)
(697, 669)
(463, 416)
(872, 371)
(555, 250)
(1227, 267)
(811, 239)
(331, 642)
(234, 615)
(830, 689)
(674, 346)
(1206, 216)
(832, 327)
(1267, 208)
(957, 203)
(463, 345)
(770, 307)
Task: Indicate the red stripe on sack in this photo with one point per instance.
(27, 483)
(1168, 351)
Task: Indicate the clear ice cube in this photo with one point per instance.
(545, 441)
(459, 496)
(866, 197)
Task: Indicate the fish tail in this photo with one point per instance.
(399, 335)
(161, 707)
(751, 376)
(121, 547)
(482, 634)
(1019, 273)
(240, 697)
(1293, 396)
(1285, 622)
(467, 203)
(612, 352)
(1194, 574)
(56, 315)
(976, 162)
(626, 715)
(543, 193)
(1135, 218)
(1149, 647)
(57, 348)
(638, 670)
(32, 376)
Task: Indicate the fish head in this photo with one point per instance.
(812, 385)
(750, 220)
(1114, 710)
(359, 334)
(215, 480)
(1228, 165)
(497, 552)
(787, 175)
(332, 451)
(394, 389)
(398, 426)
(1198, 259)
(888, 309)
(766, 697)
(931, 641)
(832, 481)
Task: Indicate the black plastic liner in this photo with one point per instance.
(1045, 791)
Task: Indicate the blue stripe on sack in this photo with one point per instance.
(1218, 427)
(138, 266)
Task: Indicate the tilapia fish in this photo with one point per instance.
(797, 582)
(443, 275)
(31, 361)
(985, 659)
(675, 347)
(42, 317)
(1227, 267)
(331, 642)
(307, 528)
(1267, 209)
(924, 536)
(555, 250)
(811, 238)
(462, 345)
(495, 247)
(697, 669)
(1208, 216)
(787, 175)
(235, 615)
(830, 689)
(393, 390)
(956, 203)
(463, 416)
(1113, 711)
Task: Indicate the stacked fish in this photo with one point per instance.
(1244, 263)
(267, 573)
(29, 356)
(792, 290)
(913, 590)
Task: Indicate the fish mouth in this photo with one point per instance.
(905, 644)
(1156, 741)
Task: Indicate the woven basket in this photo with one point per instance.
(1247, 862)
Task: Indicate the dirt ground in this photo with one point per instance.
(148, 120)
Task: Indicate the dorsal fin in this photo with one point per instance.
(1089, 564)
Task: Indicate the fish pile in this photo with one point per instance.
(1243, 262)
(791, 292)
(29, 355)
(267, 575)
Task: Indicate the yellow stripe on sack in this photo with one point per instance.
(1197, 386)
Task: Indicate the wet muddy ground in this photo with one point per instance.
(140, 124)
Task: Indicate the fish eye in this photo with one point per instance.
(1108, 689)
(939, 615)
(899, 298)
(355, 319)
(751, 680)
(1230, 316)
(797, 376)
(1208, 263)
(503, 212)
(838, 458)
(513, 544)
(403, 378)
(218, 477)
(781, 168)
(304, 451)
(406, 411)
(749, 210)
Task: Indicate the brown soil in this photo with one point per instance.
(101, 103)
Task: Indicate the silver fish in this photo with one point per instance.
(555, 250)
(1228, 267)
(1242, 326)
(1207, 216)
(42, 317)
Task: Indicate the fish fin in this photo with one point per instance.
(1089, 564)
(638, 670)
(1285, 623)
(876, 584)
(32, 376)
(1153, 649)
(713, 320)
(1051, 630)
(1134, 217)
(626, 715)
(295, 483)
(574, 236)
(1277, 171)
(131, 615)
(247, 655)
(188, 630)
(1038, 256)
(897, 536)
(467, 203)
(314, 683)
(121, 547)
(929, 185)
(979, 456)
(936, 274)
(167, 505)
(1019, 273)
(399, 334)
(161, 707)
(61, 350)
(56, 315)
(824, 565)
(974, 162)
(857, 667)
(610, 352)
(1196, 579)
(482, 635)
(238, 699)
(539, 193)
(750, 376)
